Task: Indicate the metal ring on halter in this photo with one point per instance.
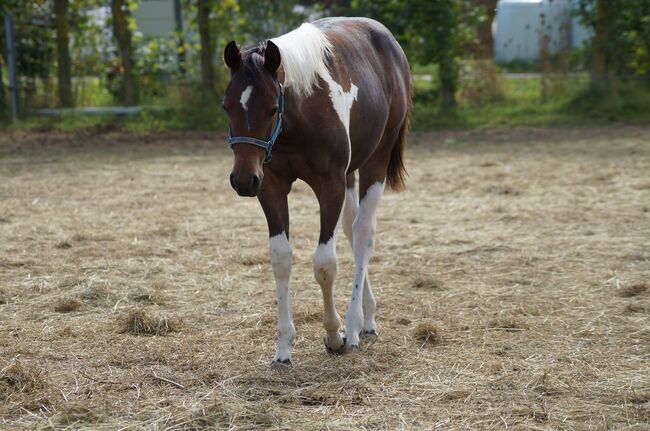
(266, 145)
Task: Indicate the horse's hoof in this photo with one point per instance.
(349, 347)
(281, 364)
(368, 338)
(332, 351)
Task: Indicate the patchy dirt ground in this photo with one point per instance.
(513, 280)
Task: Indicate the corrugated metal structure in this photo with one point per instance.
(155, 17)
(523, 28)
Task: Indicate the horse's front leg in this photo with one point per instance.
(330, 194)
(273, 198)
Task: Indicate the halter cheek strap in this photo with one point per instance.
(266, 145)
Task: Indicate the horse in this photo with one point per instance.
(318, 104)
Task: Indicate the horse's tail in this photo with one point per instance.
(396, 175)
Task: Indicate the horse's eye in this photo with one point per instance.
(274, 110)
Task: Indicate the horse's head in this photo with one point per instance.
(252, 101)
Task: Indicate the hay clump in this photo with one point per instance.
(139, 322)
(22, 387)
(67, 305)
(254, 260)
(97, 296)
(635, 308)
(77, 413)
(427, 283)
(634, 290)
(219, 414)
(506, 322)
(147, 298)
(427, 333)
(18, 377)
(63, 244)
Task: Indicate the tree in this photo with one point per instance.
(600, 55)
(63, 53)
(34, 43)
(621, 43)
(430, 32)
(122, 33)
(203, 10)
(485, 29)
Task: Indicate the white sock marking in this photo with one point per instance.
(325, 268)
(245, 96)
(363, 230)
(280, 252)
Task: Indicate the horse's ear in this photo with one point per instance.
(272, 57)
(232, 56)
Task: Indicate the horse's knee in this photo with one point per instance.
(363, 235)
(325, 264)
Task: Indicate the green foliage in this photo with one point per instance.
(630, 102)
(439, 37)
(430, 32)
(34, 38)
(626, 28)
(156, 65)
(91, 45)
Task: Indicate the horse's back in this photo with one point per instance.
(366, 55)
(363, 42)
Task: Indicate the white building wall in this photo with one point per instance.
(155, 17)
(521, 28)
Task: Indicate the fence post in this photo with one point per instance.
(11, 63)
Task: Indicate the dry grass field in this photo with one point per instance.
(513, 284)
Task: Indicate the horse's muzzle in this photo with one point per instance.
(245, 185)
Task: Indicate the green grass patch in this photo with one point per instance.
(570, 101)
(521, 102)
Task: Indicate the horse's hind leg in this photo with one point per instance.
(349, 213)
(361, 314)
(351, 206)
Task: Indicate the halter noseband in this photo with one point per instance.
(267, 145)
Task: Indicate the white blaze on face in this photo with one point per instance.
(245, 96)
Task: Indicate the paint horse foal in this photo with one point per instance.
(318, 104)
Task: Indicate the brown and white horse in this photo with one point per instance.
(318, 104)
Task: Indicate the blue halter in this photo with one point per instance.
(267, 145)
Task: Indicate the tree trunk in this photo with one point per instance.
(599, 67)
(129, 92)
(448, 74)
(3, 97)
(486, 41)
(63, 53)
(207, 71)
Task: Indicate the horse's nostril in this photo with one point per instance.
(233, 183)
(255, 182)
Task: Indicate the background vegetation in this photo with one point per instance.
(74, 53)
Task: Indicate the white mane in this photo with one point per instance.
(304, 54)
